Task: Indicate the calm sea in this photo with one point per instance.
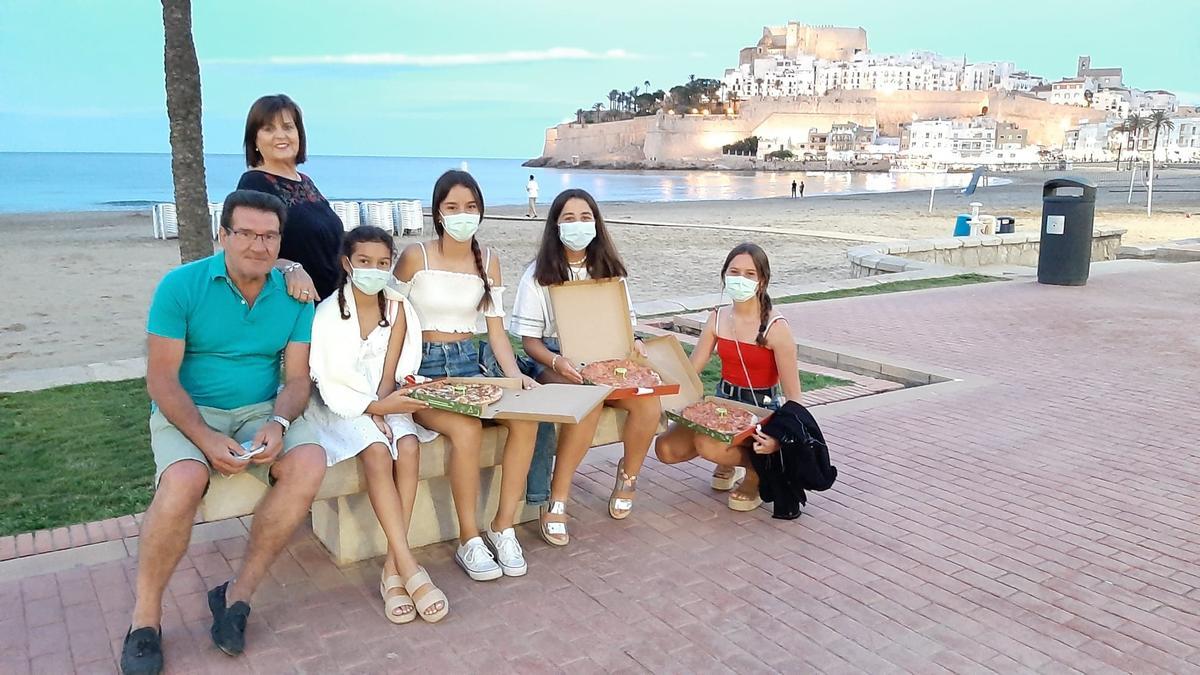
(100, 181)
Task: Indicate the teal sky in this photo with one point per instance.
(485, 78)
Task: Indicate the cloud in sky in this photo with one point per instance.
(434, 60)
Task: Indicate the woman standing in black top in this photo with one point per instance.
(312, 236)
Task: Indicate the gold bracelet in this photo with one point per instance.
(554, 363)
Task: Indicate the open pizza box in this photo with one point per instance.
(669, 359)
(562, 403)
(593, 325)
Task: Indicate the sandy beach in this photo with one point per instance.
(77, 285)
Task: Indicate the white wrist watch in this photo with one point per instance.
(283, 422)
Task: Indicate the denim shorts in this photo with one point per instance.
(770, 398)
(450, 359)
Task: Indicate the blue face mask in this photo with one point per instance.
(369, 280)
(577, 235)
(461, 226)
(740, 289)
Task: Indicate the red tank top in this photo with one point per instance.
(759, 361)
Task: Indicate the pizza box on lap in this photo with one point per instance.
(726, 406)
(593, 325)
(562, 403)
(669, 359)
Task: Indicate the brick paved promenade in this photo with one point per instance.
(1040, 515)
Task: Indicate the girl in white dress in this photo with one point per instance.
(365, 338)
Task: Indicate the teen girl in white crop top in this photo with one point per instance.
(454, 284)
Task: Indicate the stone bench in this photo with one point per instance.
(342, 517)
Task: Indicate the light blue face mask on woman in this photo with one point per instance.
(577, 235)
(461, 226)
(369, 280)
(740, 289)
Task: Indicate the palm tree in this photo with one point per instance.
(579, 116)
(1159, 120)
(597, 108)
(182, 73)
(612, 98)
(646, 84)
(1134, 124)
(1121, 130)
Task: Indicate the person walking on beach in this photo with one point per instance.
(801, 189)
(531, 189)
(218, 331)
(793, 189)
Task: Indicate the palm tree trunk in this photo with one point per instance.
(187, 142)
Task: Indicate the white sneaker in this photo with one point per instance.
(508, 552)
(477, 561)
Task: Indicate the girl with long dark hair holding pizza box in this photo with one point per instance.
(454, 284)
(758, 367)
(576, 245)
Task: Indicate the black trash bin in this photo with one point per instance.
(1065, 253)
(1006, 225)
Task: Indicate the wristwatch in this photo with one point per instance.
(283, 422)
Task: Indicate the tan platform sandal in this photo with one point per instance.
(740, 503)
(429, 598)
(554, 532)
(393, 600)
(620, 507)
(726, 483)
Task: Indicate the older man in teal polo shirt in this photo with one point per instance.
(218, 328)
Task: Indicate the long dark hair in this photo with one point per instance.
(550, 266)
(441, 190)
(362, 234)
(763, 266)
(263, 111)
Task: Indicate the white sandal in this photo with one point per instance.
(554, 532)
(393, 601)
(620, 507)
(726, 483)
(429, 598)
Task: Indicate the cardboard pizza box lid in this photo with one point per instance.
(593, 319)
(562, 403)
(666, 355)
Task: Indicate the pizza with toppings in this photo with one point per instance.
(620, 374)
(724, 419)
(464, 393)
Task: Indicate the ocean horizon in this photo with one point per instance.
(96, 181)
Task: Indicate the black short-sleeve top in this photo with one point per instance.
(312, 235)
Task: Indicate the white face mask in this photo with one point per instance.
(369, 280)
(461, 226)
(740, 289)
(577, 235)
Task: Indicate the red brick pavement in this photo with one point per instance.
(1043, 519)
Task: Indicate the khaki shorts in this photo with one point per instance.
(170, 445)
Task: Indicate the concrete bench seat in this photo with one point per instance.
(343, 520)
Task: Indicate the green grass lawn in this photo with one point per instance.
(888, 287)
(711, 375)
(74, 454)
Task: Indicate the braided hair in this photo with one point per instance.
(441, 190)
(763, 266)
(361, 235)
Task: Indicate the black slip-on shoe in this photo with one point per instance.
(142, 653)
(229, 623)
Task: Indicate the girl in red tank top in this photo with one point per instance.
(758, 366)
